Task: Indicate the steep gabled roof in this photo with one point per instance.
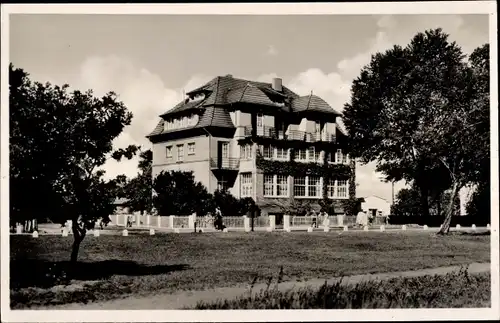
(224, 90)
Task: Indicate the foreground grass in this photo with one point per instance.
(114, 266)
(454, 290)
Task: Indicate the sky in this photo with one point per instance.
(149, 60)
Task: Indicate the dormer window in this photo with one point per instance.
(196, 97)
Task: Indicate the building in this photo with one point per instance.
(376, 206)
(258, 140)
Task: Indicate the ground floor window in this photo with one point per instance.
(275, 185)
(337, 188)
(308, 186)
(246, 184)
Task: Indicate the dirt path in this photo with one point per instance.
(184, 299)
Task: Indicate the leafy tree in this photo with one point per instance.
(139, 190)
(407, 203)
(230, 205)
(460, 132)
(177, 193)
(58, 142)
(398, 115)
(479, 206)
(351, 206)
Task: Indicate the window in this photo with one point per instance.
(260, 119)
(225, 150)
(317, 125)
(300, 154)
(180, 152)
(246, 152)
(169, 152)
(311, 153)
(268, 185)
(314, 186)
(344, 159)
(299, 186)
(309, 186)
(246, 184)
(267, 151)
(282, 153)
(317, 156)
(337, 188)
(342, 189)
(276, 185)
(338, 156)
(281, 185)
(191, 148)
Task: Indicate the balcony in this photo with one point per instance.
(271, 132)
(225, 163)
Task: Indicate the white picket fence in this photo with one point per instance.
(231, 222)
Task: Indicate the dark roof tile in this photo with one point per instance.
(224, 90)
(312, 103)
(214, 116)
(158, 129)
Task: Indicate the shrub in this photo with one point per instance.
(457, 289)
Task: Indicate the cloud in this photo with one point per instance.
(334, 86)
(271, 50)
(142, 91)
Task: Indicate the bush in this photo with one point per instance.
(443, 291)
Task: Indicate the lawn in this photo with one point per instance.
(114, 266)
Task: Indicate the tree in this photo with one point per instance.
(396, 103)
(408, 203)
(230, 205)
(461, 131)
(177, 193)
(139, 190)
(58, 142)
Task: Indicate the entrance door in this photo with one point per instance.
(317, 130)
(279, 221)
(260, 124)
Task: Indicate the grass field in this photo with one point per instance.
(116, 266)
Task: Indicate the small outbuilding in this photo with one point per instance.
(376, 206)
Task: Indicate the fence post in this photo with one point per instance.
(340, 220)
(191, 220)
(138, 220)
(158, 221)
(272, 221)
(286, 222)
(148, 220)
(246, 223)
(171, 221)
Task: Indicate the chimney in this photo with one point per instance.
(277, 84)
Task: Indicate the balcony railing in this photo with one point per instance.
(225, 163)
(271, 132)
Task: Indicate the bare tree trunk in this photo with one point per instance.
(445, 227)
(79, 232)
